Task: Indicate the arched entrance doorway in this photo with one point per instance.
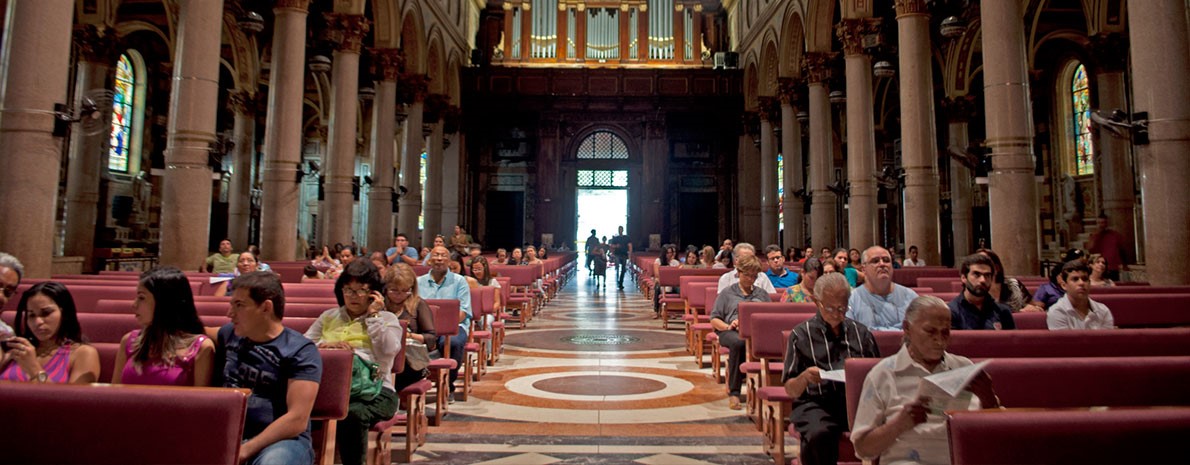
(602, 186)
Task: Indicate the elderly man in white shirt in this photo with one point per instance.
(879, 303)
(731, 277)
(1076, 310)
(891, 421)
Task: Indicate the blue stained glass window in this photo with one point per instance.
(421, 216)
(780, 192)
(1080, 94)
(121, 136)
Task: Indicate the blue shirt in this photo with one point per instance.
(266, 369)
(852, 275)
(877, 312)
(1048, 294)
(788, 280)
(454, 286)
(409, 252)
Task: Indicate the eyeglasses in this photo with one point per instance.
(356, 292)
(10, 291)
(840, 309)
(398, 292)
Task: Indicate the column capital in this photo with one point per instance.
(769, 109)
(435, 107)
(1110, 51)
(751, 122)
(817, 66)
(94, 44)
(386, 63)
(303, 5)
(789, 91)
(347, 31)
(910, 8)
(960, 109)
(242, 102)
(412, 88)
(851, 33)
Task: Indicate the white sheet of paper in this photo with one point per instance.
(952, 382)
(833, 375)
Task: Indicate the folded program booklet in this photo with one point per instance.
(947, 390)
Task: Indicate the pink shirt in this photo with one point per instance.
(181, 373)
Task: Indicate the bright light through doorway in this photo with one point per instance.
(602, 210)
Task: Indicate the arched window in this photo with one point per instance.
(1083, 152)
(603, 145)
(122, 113)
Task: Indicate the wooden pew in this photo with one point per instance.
(121, 424)
(1082, 436)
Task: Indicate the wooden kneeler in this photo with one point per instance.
(414, 421)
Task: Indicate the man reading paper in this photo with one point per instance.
(892, 422)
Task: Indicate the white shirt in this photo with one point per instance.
(733, 276)
(1062, 315)
(890, 386)
(910, 262)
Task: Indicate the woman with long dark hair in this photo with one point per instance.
(49, 346)
(170, 348)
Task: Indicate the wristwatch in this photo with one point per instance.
(42, 376)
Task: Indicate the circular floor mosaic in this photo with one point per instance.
(597, 340)
(601, 385)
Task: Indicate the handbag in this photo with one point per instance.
(365, 379)
(416, 355)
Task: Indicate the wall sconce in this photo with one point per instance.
(883, 69)
(319, 64)
(952, 27)
(803, 116)
(251, 22)
(367, 94)
(837, 96)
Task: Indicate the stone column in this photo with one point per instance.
(434, 163)
(1160, 62)
(340, 166)
(410, 205)
(283, 132)
(823, 201)
(239, 209)
(186, 196)
(452, 178)
(88, 151)
(861, 138)
(769, 110)
(959, 111)
(791, 151)
(36, 52)
(1115, 168)
(748, 169)
(385, 62)
(1012, 194)
(919, 147)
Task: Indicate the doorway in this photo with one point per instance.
(602, 204)
(506, 219)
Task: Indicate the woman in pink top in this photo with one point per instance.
(49, 344)
(170, 349)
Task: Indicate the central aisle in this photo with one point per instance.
(594, 379)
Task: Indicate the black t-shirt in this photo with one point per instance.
(266, 369)
(622, 241)
(592, 243)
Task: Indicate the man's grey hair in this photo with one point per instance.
(831, 282)
(863, 257)
(922, 303)
(735, 251)
(9, 261)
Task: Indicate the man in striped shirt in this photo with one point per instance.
(821, 344)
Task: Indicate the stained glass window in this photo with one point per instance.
(121, 137)
(780, 192)
(421, 176)
(1080, 94)
(603, 145)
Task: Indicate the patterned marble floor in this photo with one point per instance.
(595, 380)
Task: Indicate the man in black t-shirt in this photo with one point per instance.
(621, 248)
(592, 243)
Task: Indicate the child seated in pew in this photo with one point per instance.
(49, 346)
(170, 349)
(1076, 310)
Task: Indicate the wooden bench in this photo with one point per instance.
(121, 424)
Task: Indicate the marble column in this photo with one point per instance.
(748, 171)
(1012, 196)
(962, 183)
(823, 217)
(433, 201)
(186, 196)
(88, 151)
(861, 139)
(386, 63)
(768, 172)
(452, 180)
(239, 209)
(410, 203)
(36, 54)
(1114, 168)
(340, 166)
(919, 146)
(791, 151)
(283, 133)
(1160, 62)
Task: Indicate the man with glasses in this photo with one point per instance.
(780, 277)
(820, 344)
(441, 283)
(974, 308)
(879, 303)
(10, 277)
